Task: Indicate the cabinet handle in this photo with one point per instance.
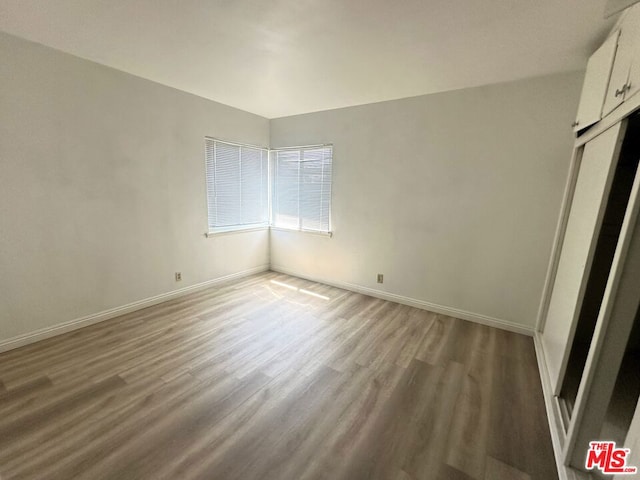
(624, 88)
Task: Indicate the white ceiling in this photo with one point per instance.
(283, 57)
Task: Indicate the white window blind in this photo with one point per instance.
(237, 185)
(302, 188)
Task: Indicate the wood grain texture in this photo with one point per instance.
(274, 377)
(498, 469)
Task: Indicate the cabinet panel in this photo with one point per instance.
(585, 217)
(627, 47)
(634, 72)
(596, 81)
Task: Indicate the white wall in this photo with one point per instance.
(102, 191)
(454, 197)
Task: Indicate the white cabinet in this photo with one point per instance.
(634, 72)
(625, 76)
(596, 81)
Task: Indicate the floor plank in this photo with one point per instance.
(496, 470)
(275, 377)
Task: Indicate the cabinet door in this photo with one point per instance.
(627, 49)
(596, 81)
(633, 84)
(595, 175)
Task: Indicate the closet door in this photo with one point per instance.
(597, 416)
(632, 443)
(592, 187)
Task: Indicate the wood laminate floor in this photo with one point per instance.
(274, 377)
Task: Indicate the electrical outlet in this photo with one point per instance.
(380, 278)
(178, 276)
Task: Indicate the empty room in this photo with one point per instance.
(319, 239)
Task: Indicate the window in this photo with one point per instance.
(237, 185)
(302, 188)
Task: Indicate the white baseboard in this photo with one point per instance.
(65, 327)
(412, 302)
(47, 332)
(554, 416)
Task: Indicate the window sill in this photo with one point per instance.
(230, 230)
(295, 230)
